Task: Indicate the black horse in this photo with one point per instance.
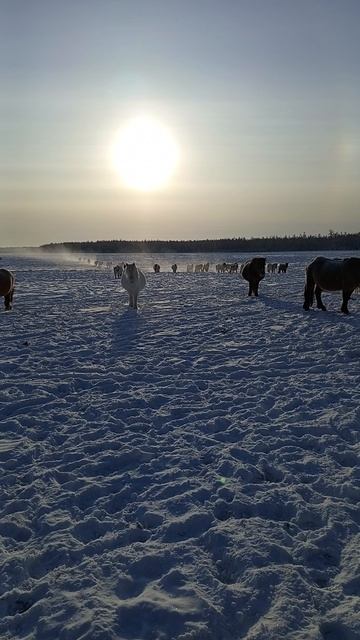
(324, 274)
(253, 271)
(7, 286)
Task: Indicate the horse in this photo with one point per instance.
(156, 268)
(118, 269)
(282, 268)
(133, 280)
(254, 271)
(326, 274)
(7, 287)
(174, 267)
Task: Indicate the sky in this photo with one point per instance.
(261, 96)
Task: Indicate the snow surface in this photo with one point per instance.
(188, 471)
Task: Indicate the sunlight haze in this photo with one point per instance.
(260, 102)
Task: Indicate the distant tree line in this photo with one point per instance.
(333, 241)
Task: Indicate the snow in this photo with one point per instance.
(186, 471)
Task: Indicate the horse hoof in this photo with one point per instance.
(306, 307)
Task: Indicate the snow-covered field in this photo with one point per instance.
(188, 471)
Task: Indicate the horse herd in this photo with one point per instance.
(322, 274)
(223, 267)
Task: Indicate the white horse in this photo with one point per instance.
(133, 280)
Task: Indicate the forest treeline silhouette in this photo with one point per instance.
(333, 241)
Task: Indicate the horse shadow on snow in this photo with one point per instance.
(316, 315)
(126, 333)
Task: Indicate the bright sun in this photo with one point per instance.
(145, 154)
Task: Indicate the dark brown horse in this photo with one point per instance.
(282, 267)
(254, 271)
(7, 286)
(324, 274)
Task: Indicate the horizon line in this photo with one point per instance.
(303, 235)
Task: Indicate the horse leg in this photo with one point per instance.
(7, 301)
(308, 291)
(346, 298)
(256, 289)
(131, 300)
(319, 302)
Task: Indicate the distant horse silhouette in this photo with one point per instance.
(282, 268)
(7, 286)
(174, 267)
(324, 274)
(254, 271)
(118, 269)
(156, 268)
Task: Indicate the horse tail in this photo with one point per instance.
(309, 289)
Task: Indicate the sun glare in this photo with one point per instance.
(145, 154)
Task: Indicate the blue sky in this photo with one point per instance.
(263, 97)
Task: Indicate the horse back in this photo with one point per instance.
(335, 274)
